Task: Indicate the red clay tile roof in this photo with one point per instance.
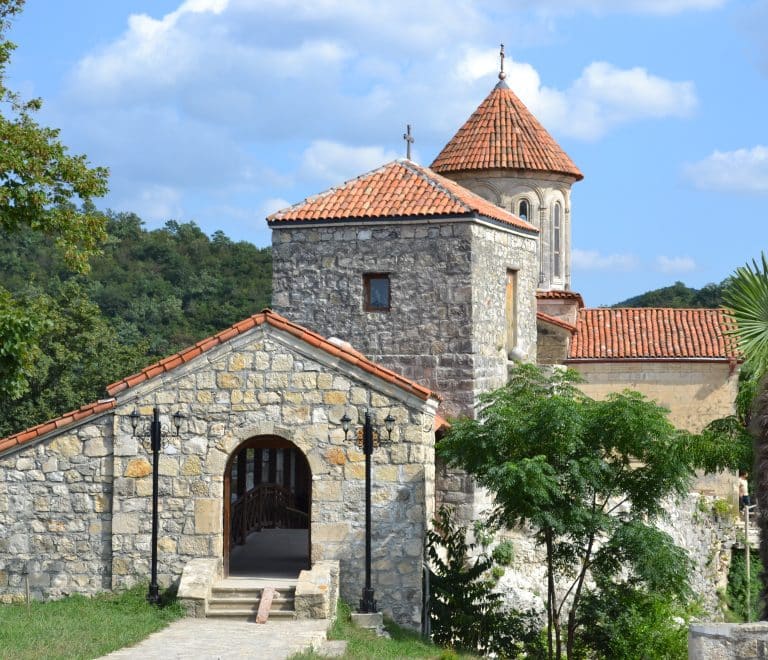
(548, 318)
(400, 189)
(652, 334)
(347, 354)
(31, 434)
(503, 134)
(560, 295)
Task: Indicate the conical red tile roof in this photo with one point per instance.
(400, 189)
(503, 134)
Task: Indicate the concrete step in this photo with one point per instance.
(250, 593)
(249, 614)
(234, 603)
(240, 599)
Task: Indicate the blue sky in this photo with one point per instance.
(222, 111)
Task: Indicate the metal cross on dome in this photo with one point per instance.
(502, 75)
(409, 140)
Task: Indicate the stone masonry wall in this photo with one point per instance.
(494, 253)
(429, 335)
(689, 521)
(55, 514)
(506, 188)
(695, 393)
(267, 383)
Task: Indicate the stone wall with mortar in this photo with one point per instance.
(693, 526)
(56, 515)
(268, 383)
(695, 393)
(506, 188)
(494, 254)
(439, 331)
(77, 505)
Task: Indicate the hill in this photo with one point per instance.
(150, 293)
(678, 295)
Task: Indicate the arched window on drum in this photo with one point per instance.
(557, 240)
(524, 209)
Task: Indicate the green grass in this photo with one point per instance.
(81, 627)
(363, 644)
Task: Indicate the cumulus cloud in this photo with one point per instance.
(602, 98)
(333, 162)
(593, 260)
(741, 171)
(675, 264)
(662, 7)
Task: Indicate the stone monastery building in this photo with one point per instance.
(407, 292)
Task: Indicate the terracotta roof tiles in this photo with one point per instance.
(346, 353)
(554, 320)
(560, 295)
(503, 134)
(343, 351)
(652, 334)
(400, 189)
(30, 434)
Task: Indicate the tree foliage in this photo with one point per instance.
(40, 187)
(679, 295)
(747, 300)
(148, 294)
(590, 478)
(465, 611)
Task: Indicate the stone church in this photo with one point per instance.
(405, 292)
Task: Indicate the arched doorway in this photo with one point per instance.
(267, 505)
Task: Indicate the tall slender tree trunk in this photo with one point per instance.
(759, 428)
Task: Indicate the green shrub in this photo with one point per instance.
(737, 585)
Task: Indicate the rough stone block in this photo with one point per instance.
(137, 468)
(207, 516)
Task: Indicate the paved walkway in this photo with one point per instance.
(214, 639)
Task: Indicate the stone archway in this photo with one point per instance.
(267, 509)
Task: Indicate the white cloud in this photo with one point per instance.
(659, 7)
(332, 162)
(740, 171)
(271, 205)
(593, 260)
(675, 264)
(153, 203)
(602, 98)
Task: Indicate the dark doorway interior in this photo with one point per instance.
(267, 490)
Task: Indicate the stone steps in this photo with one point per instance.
(240, 599)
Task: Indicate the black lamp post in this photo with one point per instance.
(155, 434)
(367, 438)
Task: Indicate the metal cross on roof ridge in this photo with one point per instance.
(409, 140)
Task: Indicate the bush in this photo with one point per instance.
(737, 585)
(465, 612)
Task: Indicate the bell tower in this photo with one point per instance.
(505, 155)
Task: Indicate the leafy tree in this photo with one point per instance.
(747, 299)
(465, 611)
(589, 477)
(79, 353)
(678, 295)
(39, 185)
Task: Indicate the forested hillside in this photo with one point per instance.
(148, 294)
(678, 295)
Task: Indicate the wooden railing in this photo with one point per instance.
(265, 506)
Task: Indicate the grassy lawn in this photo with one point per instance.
(363, 644)
(80, 627)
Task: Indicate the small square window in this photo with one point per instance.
(376, 292)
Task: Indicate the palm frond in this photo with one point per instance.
(746, 300)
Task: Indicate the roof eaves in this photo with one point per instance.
(58, 424)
